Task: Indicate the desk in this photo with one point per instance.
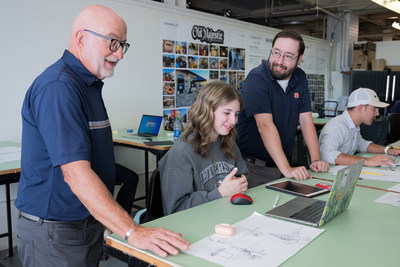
(9, 173)
(396, 144)
(158, 151)
(366, 234)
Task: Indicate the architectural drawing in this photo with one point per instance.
(258, 241)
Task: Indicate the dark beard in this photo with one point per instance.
(281, 76)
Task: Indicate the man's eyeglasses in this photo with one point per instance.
(114, 43)
(287, 57)
(375, 109)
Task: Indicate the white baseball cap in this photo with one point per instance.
(365, 96)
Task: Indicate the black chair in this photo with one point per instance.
(393, 128)
(326, 110)
(153, 200)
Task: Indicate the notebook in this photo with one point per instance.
(317, 212)
(149, 126)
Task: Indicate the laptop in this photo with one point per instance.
(149, 127)
(316, 212)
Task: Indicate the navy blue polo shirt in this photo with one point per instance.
(262, 94)
(63, 120)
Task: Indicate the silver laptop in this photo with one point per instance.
(317, 212)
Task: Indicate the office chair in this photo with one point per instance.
(393, 128)
(153, 200)
(324, 109)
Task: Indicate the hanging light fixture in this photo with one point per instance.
(396, 25)
(393, 5)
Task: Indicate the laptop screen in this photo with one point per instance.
(150, 125)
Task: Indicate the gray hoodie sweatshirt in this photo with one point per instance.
(188, 180)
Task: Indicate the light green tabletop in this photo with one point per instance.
(120, 136)
(321, 121)
(366, 234)
(10, 166)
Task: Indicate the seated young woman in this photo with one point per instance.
(205, 164)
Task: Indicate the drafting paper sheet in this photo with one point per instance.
(369, 173)
(391, 198)
(258, 241)
(10, 153)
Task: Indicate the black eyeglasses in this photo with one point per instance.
(114, 43)
(287, 57)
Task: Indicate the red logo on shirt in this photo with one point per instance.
(296, 95)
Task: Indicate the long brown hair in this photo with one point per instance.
(201, 117)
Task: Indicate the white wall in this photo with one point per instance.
(35, 34)
(389, 51)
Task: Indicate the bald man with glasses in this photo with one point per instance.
(277, 100)
(67, 162)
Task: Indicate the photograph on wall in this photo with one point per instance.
(168, 61)
(193, 62)
(181, 48)
(181, 62)
(168, 88)
(223, 76)
(203, 50)
(168, 75)
(193, 49)
(236, 58)
(169, 117)
(189, 83)
(203, 63)
(214, 75)
(168, 46)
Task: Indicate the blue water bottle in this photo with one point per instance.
(177, 128)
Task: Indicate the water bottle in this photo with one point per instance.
(177, 128)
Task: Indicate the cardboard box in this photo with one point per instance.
(393, 67)
(378, 64)
(363, 53)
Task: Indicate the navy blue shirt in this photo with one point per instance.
(63, 120)
(263, 94)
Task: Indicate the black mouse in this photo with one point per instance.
(241, 199)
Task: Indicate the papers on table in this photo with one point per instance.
(258, 241)
(391, 198)
(10, 153)
(369, 173)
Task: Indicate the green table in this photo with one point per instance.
(366, 234)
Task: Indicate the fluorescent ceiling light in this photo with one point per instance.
(396, 25)
(393, 5)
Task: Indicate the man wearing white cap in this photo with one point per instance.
(340, 138)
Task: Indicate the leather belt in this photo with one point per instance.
(257, 161)
(34, 218)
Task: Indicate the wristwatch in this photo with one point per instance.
(387, 148)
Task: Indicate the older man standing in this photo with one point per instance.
(67, 164)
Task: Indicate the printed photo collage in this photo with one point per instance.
(188, 66)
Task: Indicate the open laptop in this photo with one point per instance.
(317, 212)
(149, 127)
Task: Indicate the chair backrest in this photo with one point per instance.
(393, 128)
(154, 199)
(327, 108)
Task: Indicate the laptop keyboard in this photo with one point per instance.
(311, 213)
